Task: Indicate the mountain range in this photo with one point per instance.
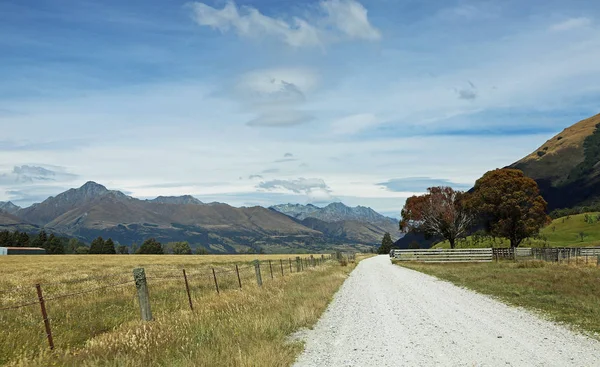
(92, 210)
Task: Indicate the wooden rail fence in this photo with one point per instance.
(444, 255)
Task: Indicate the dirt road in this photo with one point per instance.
(386, 315)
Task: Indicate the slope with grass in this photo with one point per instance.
(565, 166)
(581, 230)
(562, 293)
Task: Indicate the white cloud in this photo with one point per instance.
(342, 19)
(354, 123)
(572, 23)
(276, 95)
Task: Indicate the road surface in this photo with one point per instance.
(386, 315)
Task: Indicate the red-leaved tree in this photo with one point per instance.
(440, 213)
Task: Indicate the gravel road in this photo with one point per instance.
(386, 315)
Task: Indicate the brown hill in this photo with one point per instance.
(566, 166)
(92, 210)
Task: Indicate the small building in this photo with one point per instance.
(22, 251)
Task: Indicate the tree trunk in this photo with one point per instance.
(452, 240)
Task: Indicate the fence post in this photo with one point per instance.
(237, 270)
(216, 283)
(187, 288)
(257, 270)
(290, 260)
(139, 275)
(281, 263)
(298, 268)
(598, 260)
(271, 267)
(45, 316)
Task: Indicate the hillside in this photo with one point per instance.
(561, 232)
(92, 210)
(566, 166)
(11, 222)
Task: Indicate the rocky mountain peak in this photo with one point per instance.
(9, 207)
(179, 200)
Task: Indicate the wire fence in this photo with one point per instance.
(47, 312)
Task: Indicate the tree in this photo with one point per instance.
(108, 247)
(386, 244)
(181, 248)
(509, 204)
(151, 246)
(414, 245)
(54, 246)
(122, 250)
(39, 240)
(440, 212)
(82, 250)
(97, 246)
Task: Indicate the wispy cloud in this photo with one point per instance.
(419, 184)
(334, 20)
(354, 123)
(31, 174)
(315, 188)
(571, 23)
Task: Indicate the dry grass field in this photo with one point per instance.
(237, 327)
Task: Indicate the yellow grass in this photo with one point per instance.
(247, 327)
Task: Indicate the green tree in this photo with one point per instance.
(82, 250)
(54, 246)
(181, 248)
(40, 239)
(151, 246)
(386, 244)
(108, 247)
(122, 250)
(97, 246)
(509, 204)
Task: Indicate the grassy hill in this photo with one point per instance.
(565, 167)
(562, 232)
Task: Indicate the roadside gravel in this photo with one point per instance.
(386, 315)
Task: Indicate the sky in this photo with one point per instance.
(266, 102)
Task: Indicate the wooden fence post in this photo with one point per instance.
(257, 270)
(139, 275)
(187, 288)
(281, 263)
(290, 261)
(237, 270)
(45, 316)
(216, 283)
(271, 267)
(298, 268)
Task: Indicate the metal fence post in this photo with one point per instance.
(139, 275)
(257, 270)
(45, 316)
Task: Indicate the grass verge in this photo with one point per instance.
(563, 293)
(247, 327)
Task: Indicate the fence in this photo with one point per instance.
(444, 255)
(183, 283)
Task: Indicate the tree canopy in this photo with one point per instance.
(509, 204)
(440, 212)
(151, 246)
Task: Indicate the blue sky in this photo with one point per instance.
(262, 102)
